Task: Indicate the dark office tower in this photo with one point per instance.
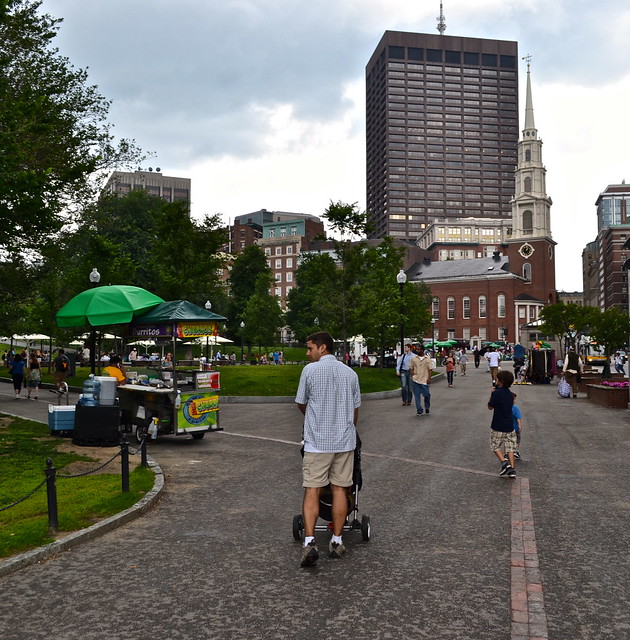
(442, 130)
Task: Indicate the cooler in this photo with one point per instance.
(61, 418)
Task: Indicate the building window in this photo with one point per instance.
(527, 272)
(482, 333)
(278, 251)
(482, 306)
(528, 155)
(450, 308)
(521, 312)
(289, 251)
(278, 291)
(294, 231)
(501, 305)
(268, 251)
(466, 308)
(435, 308)
(272, 233)
(278, 277)
(528, 222)
(466, 333)
(289, 263)
(289, 277)
(279, 264)
(450, 334)
(527, 185)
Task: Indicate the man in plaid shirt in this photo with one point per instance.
(329, 397)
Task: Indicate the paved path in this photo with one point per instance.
(456, 552)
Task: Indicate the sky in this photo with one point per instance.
(262, 102)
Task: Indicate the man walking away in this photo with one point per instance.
(402, 370)
(329, 397)
(420, 368)
(572, 368)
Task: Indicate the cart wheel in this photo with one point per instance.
(198, 435)
(298, 527)
(366, 529)
(139, 432)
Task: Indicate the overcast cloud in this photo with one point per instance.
(261, 102)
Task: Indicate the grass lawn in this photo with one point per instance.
(82, 501)
(271, 380)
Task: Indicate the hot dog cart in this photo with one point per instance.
(174, 401)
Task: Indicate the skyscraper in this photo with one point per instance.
(441, 130)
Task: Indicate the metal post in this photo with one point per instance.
(124, 461)
(143, 452)
(51, 493)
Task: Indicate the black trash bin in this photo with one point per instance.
(72, 357)
(96, 426)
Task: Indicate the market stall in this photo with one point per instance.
(172, 400)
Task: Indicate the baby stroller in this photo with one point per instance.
(325, 505)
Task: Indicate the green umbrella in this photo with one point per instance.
(444, 343)
(113, 304)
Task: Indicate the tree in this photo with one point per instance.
(262, 315)
(346, 219)
(53, 135)
(610, 329)
(568, 322)
(248, 266)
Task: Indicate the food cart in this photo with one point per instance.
(173, 401)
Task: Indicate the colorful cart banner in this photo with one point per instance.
(197, 410)
(197, 329)
(209, 380)
(152, 331)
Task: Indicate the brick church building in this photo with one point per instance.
(495, 296)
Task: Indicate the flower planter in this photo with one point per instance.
(610, 397)
(596, 378)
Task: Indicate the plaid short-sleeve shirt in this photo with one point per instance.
(330, 391)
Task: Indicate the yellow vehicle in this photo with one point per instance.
(594, 354)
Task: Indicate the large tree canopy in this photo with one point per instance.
(53, 131)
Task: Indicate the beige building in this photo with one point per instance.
(168, 188)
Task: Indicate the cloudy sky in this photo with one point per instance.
(261, 102)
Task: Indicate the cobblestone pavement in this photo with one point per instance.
(456, 551)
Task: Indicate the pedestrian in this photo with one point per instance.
(116, 370)
(476, 356)
(572, 368)
(450, 369)
(463, 361)
(16, 369)
(420, 367)
(517, 418)
(619, 364)
(402, 370)
(34, 375)
(61, 366)
(133, 355)
(493, 359)
(329, 397)
(503, 436)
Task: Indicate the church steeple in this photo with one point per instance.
(530, 127)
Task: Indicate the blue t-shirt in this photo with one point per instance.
(516, 416)
(502, 401)
(18, 368)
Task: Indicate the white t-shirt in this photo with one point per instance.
(493, 358)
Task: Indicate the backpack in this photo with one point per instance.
(63, 365)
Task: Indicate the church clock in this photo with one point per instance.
(526, 250)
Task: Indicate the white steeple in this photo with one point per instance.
(531, 216)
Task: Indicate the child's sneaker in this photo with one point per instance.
(511, 472)
(336, 549)
(504, 468)
(517, 455)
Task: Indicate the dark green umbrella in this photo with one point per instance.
(177, 311)
(100, 306)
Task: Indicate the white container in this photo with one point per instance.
(108, 389)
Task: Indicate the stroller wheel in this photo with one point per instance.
(366, 529)
(298, 527)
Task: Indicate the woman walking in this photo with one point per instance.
(450, 369)
(34, 375)
(16, 369)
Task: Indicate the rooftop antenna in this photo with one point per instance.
(441, 27)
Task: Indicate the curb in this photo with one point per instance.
(78, 537)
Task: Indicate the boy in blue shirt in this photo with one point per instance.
(517, 417)
(503, 438)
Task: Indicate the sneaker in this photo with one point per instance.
(336, 550)
(517, 455)
(504, 468)
(427, 412)
(511, 472)
(310, 555)
(418, 414)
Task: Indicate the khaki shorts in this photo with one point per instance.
(321, 469)
(504, 441)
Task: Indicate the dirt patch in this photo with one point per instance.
(100, 455)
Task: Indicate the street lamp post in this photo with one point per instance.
(433, 336)
(242, 334)
(95, 278)
(208, 306)
(401, 278)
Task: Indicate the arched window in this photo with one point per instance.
(528, 155)
(528, 222)
(466, 307)
(527, 185)
(435, 308)
(501, 305)
(527, 272)
(482, 306)
(450, 308)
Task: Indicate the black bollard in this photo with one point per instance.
(124, 456)
(51, 492)
(143, 452)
